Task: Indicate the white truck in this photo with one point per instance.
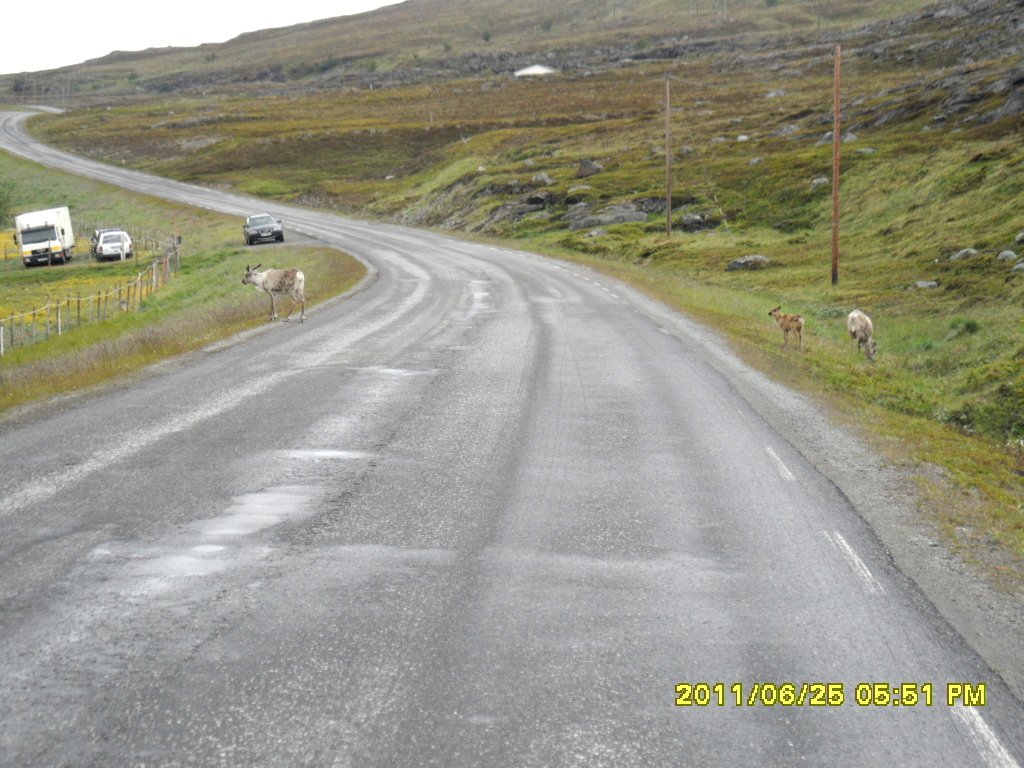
(44, 237)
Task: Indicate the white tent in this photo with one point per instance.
(535, 70)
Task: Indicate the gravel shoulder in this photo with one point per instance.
(990, 621)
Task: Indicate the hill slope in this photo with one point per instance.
(430, 39)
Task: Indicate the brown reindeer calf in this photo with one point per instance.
(789, 323)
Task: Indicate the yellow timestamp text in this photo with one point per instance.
(824, 694)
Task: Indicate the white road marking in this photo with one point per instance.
(871, 584)
(780, 466)
(992, 751)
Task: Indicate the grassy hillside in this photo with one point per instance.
(932, 165)
(438, 39)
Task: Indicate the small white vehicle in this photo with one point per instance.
(114, 245)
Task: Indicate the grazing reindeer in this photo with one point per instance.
(288, 282)
(860, 328)
(789, 323)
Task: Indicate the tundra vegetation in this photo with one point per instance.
(933, 164)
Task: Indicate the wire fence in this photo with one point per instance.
(59, 317)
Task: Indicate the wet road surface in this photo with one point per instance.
(488, 509)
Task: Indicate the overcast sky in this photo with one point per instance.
(61, 32)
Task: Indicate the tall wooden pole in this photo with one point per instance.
(836, 142)
(668, 159)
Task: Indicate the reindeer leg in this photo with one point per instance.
(273, 308)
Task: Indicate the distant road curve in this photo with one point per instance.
(488, 509)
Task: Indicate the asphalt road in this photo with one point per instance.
(486, 510)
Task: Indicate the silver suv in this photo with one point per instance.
(262, 228)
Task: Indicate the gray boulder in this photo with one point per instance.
(1017, 267)
(622, 213)
(1019, 238)
(1007, 256)
(693, 222)
(925, 285)
(786, 130)
(588, 168)
(966, 253)
(753, 261)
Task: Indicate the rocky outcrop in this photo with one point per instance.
(751, 262)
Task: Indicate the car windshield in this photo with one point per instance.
(114, 238)
(38, 235)
(261, 221)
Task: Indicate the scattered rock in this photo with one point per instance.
(820, 182)
(1017, 267)
(576, 194)
(622, 213)
(1019, 238)
(777, 93)
(756, 160)
(588, 168)
(966, 253)
(743, 137)
(542, 178)
(753, 261)
(925, 285)
(785, 130)
(827, 138)
(694, 222)
(510, 212)
(1012, 86)
(1007, 256)
(597, 233)
(651, 204)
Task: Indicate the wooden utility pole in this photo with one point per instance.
(836, 142)
(668, 159)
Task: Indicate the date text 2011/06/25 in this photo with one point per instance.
(877, 694)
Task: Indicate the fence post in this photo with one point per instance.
(1, 339)
(59, 329)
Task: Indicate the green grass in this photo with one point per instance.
(204, 302)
